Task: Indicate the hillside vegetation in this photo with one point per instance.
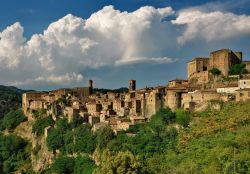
(208, 142)
(10, 98)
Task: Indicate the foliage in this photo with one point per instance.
(122, 163)
(182, 117)
(84, 165)
(152, 137)
(12, 119)
(238, 69)
(70, 139)
(55, 139)
(41, 123)
(119, 90)
(14, 153)
(63, 165)
(84, 140)
(103, 136)
(215, 71)
(205, 146)
(10, 99)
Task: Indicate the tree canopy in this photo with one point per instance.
(238, 69)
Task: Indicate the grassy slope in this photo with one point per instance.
(216, 142)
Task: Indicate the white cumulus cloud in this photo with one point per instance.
(109, 37)
(211, 26)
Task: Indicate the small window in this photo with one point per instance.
(244, 82)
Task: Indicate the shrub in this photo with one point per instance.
(63, 165)
(40, 124)
(215, 71)
(182, 117)
(238, 69)
(12, 119)
(104, 135)
(84, 165)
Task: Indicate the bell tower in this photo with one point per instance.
(132, 85)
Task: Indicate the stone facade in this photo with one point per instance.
(223, 59)
(198, 69)
(243, 94)
(197, 65)
(32, 100)
(123, 110)
(132, 85)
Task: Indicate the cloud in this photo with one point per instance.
(107, 38)
(136, 60)
(11, 46)
(52, 80)
(211, 26)
(110, 38)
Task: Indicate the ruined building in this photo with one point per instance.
(198, 69)
(118, 109)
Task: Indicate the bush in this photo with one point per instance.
(84, 140)
(104, 135)
(215, 71)
(55, 140)
(238, 69)
(40, 124)
(84, 165)
(182, 117)
(12, 119)
(63, 165)
(14, 153)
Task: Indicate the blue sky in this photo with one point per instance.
(36, 15)
(152, 46)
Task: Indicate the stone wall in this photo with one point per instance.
(223, 59)
(28, 98)
(243, 94)
(197, 65)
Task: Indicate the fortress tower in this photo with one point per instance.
(91, 86)
(132, 85)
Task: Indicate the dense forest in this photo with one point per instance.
(178, 142)
(10, 98)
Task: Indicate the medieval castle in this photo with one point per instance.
(123, 110)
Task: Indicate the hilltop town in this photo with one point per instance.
(223, 76)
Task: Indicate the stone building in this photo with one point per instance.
(193, 100)
(244, 83)
(198, 69)
(247, 63)
(243, 94)
(223, 59)
(93, 107)
(32, 100)
(71, 113)
(132, 85)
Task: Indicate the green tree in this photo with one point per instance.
(182, 117)
(63, 165)
(12, 119)
(41, 123)
(84, 140)
(122, 163)
(84, 165)
(14, 153)
(238, 69)
(103, 136)
(215, 71)
(55, 140)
